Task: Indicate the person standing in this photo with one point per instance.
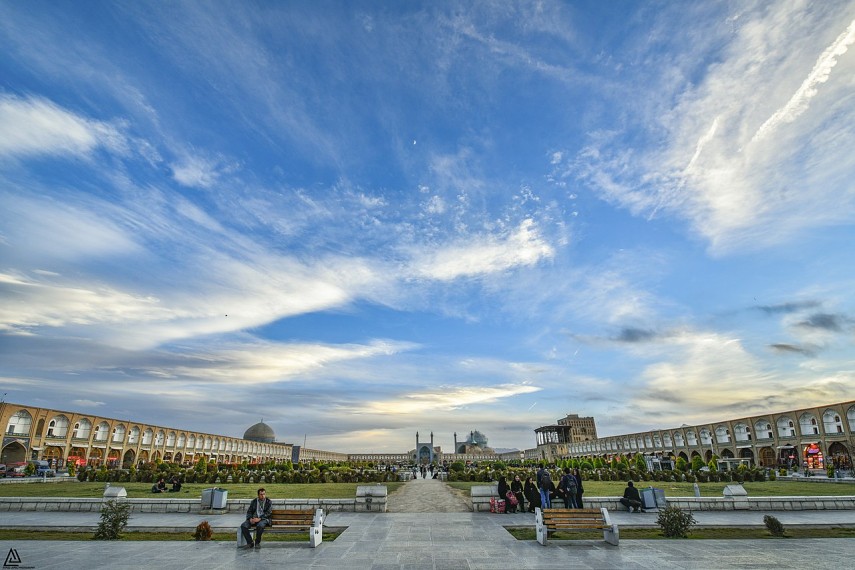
(258, 515)
(567, 485)
(579, 490)
(531, 494)
(546, 489)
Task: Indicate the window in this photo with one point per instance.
(101, 431)
(20, 423)
(58, 427)
(82, 429)
(118, 434)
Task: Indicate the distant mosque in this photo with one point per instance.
(260, 432)
(475, 444)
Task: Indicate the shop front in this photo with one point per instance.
(787, 457)
(812, 456)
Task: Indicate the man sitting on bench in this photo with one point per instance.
(631, 500)
(258, 515)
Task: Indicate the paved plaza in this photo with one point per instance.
(435, 534)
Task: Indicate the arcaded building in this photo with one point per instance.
(554, 441)
(87, 439)
(813, 437)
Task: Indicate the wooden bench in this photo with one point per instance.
(294, 521)
(549, 520)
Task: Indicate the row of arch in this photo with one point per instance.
(59, 427)
(761, 430)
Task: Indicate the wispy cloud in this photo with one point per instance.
(486, 255)
(34, 126)
(444, 398)
(737, 190)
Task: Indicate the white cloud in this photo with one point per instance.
(200, 172)
(820, 73)
(261, 362)
(36, 126)
(486, 255)
(444, 398)
(88, 403)
(786, 71)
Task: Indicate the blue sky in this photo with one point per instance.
(362, 219)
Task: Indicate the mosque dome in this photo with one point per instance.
(479, 439)
(260, 432)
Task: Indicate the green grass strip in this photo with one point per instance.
(32, 534)
(528, 533)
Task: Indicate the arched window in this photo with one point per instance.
(763, 429)
(786, 428)
(706, 437)
(722, 434)
(118, 434)
(82, 429)
(691, 438)
(20, 423)
(170, 439)
(679, 441)
(160, 437)
(850, 416)
(58, 427)
(101, 431)
(147, 436)
(742, 432)
(191, 441)
(831, 422)
(134, 437)
(808, 424)
(182, 440)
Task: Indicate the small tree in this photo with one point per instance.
(203, 531)
(114, 519)
(773, 525)
(713, 464)
(697, 463)
(640, 463)
(202, 465)
(674, 522)
(681, 464)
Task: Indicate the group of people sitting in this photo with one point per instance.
(160, 486)
(544, 492)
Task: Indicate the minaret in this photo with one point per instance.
(417, 443)
(455, 442)
(431, 442)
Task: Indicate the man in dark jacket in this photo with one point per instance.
(631, 500)
(258, 515)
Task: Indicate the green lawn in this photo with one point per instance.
(33, 534)
(189, 490)
(766, 489)
(528, 533)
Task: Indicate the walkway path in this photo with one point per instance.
(425, 496)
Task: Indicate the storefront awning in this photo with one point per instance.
(744, 446)
(99, 446)
(786, 447)
(36, 448)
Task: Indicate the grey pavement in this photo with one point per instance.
(429, 540)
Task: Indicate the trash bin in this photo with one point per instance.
(219, 498)
(652, 498)
(207, 498)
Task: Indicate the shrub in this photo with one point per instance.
(674, 522)
(773, 525)
(114, 519)
(203, 531)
